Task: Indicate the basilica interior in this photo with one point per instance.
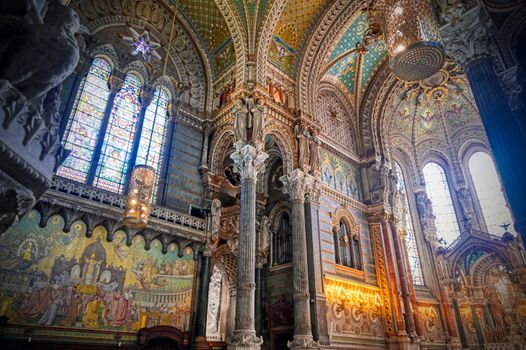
(262, 174)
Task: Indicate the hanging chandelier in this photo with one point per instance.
(413, 40)
(140, 193)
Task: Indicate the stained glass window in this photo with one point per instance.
(412, 250)
(489, 193)
(344, 250)
(438, 191)
(118, 142)
(153, 134)
(84, 124)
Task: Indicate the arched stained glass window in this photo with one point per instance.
(438, 191)
(344, 245)
(118, 142)
(82, 131)
(153, 134)
(412, 250)
(489, 193)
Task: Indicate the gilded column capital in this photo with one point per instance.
(297, 184)
(248, 160)
(466, 37)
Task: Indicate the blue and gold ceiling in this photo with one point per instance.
(206, 20)
(348, 63)
(291, 32)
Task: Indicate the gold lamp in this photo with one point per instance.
(413, 40)
(140, 193)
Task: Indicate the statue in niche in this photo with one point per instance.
(378, 177)
(314, 152)
(464, 197)
(249, 124)
(302, 137)
(215, 224)
(214, 303)
(425, 210)
(284, 251)
(36, 57)
(264, 237)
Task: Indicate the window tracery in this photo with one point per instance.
(412, 250)
(86, 118)
(346, 243)
(283, 241)
(489, 193)
(125, 141)
(438, 191)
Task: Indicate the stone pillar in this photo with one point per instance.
(203, 167)
(296, 185)
(469, 41)
(248, 161)
(404, 284)
(393, 283)
(202, 304)
(462, 333)
(319, 322)
(231, 313)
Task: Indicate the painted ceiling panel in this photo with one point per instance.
(206, 19)
(354, 69)
(291, 30)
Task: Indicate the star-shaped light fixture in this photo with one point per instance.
(141, 44)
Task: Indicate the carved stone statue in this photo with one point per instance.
(264, 237)
(464, 197)
(37, 57)
(215, 213)
(248, 119)
(303, 136)
(214, 304)
(314, 151)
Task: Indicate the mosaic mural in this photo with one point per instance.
(53, 278)
(350, 67)
(341, 175)
(291, 31)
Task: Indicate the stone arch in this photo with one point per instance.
(137, 67)
(286, 148)
(107, 51)
(343, 214)
(188, 61)
(222, 140)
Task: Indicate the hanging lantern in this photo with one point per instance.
(413, 40)
(139, 196)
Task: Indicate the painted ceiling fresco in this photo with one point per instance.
(206, 19)
(350, 67)
(425, 108)
(291, 32)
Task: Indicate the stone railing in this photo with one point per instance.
(115, 204)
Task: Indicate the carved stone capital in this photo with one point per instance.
(303, 342)
(466, 38)
(248, 160)
(245, 340)
(514, 86)
(313, 196)
(297, 184)
(115, 83)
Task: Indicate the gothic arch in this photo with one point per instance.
(343, 214)
(283, 142)
(187, 57)
(106, 51)
(221, 141)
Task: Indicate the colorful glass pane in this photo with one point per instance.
(153, 135)
(84, 123)
(118, 142)
(489, 193)
(438, 191)
(410, 239)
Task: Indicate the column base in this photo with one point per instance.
(245, 340)
(303, 342)
(200, 343)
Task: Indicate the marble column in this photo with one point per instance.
(296, 185)
(202, 303)
(404, 285)
(320, 328)
(231, 313)
(248, 162)
(469, 41)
